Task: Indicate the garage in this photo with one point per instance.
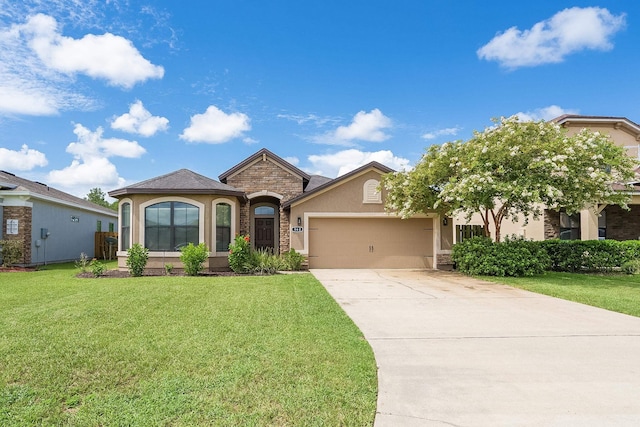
(370, 243)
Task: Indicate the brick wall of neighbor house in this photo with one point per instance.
(551, 224)
(265, 175)
(23, 215)
(622, 224)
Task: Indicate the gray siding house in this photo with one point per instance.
(52, 225)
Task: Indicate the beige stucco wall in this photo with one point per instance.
(344, 197)
(157, 260)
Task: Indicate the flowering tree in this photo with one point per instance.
(513, 168)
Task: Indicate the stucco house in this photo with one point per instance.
(52, 225)
(335, 223)
(594, 222)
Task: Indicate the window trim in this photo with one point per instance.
(234, 210)
(142, 220)
(120, 240)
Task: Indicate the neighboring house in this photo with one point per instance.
(595, 222)
(335, 223)
(52, 225)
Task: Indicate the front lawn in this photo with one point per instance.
(179, 351)
(613, 292)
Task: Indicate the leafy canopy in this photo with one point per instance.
(514, 168)
(97, 196)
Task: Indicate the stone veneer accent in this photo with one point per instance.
(551, 224)
(622, 224)
(23, 215)
(266, 175)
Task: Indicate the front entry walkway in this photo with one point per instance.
(455, 351)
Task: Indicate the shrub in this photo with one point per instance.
(83, 263)
(11, 251)
(590, 255)
(97, 268)
(240, 254)
(193, 258)
(631, 267)
(168, 268)
(137, 257)
(513, 257)
(263, 261)
(292, 260)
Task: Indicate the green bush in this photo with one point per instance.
(240, 254)
(513, 257)
(137, 257)
(11, 251)
(264, 261)
(590, 255)
(97, 268)
(193, 258)
(292, 260)
(631, 267)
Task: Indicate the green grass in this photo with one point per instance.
(613, 292)
(179, 351)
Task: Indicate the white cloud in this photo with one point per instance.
(91, 167)
(106, 56)
(23, 160)
(214, 126)
(441, 132)
(293, 160)
(309, 118)
(546, 113)
(27, 86)
(364, 127)
(336, 164)
(140, 121)
(550, 41)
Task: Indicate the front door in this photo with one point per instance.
(264, 233)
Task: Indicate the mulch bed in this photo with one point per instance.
(122, 274)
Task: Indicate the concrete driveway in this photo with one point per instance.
(454, 351)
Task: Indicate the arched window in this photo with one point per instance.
(125, 227)
(171, 225)
(223, 227)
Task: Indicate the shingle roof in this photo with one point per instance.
(11, 184)
(376, 165)
(181, 181)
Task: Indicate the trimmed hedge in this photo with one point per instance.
(520, 257)
(513, 257)
(590, 255)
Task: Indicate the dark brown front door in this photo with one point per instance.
(264, 233)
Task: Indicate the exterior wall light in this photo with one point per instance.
(299, 221)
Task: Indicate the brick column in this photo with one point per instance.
(23, 215)
(285, 225)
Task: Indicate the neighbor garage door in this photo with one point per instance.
(370, 243)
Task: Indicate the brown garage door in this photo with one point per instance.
(370, 243)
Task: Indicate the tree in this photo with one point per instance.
(514, 168)
(97, 196)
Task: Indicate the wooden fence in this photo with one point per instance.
(106, 244)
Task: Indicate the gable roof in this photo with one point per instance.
(617, 122)
(12, 185)
(336, 181)
(263, 154)
(182, 181)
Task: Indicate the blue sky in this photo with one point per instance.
(108, 93)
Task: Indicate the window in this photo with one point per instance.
(569, 226)
(112, 227)
(125, 228)
(171, 225)
(265, 210)
(223, 227)
(602, 226)
(98, 226)
(370, 193)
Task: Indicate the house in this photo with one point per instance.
(52, 225)
(335, 223)
(593, 222)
